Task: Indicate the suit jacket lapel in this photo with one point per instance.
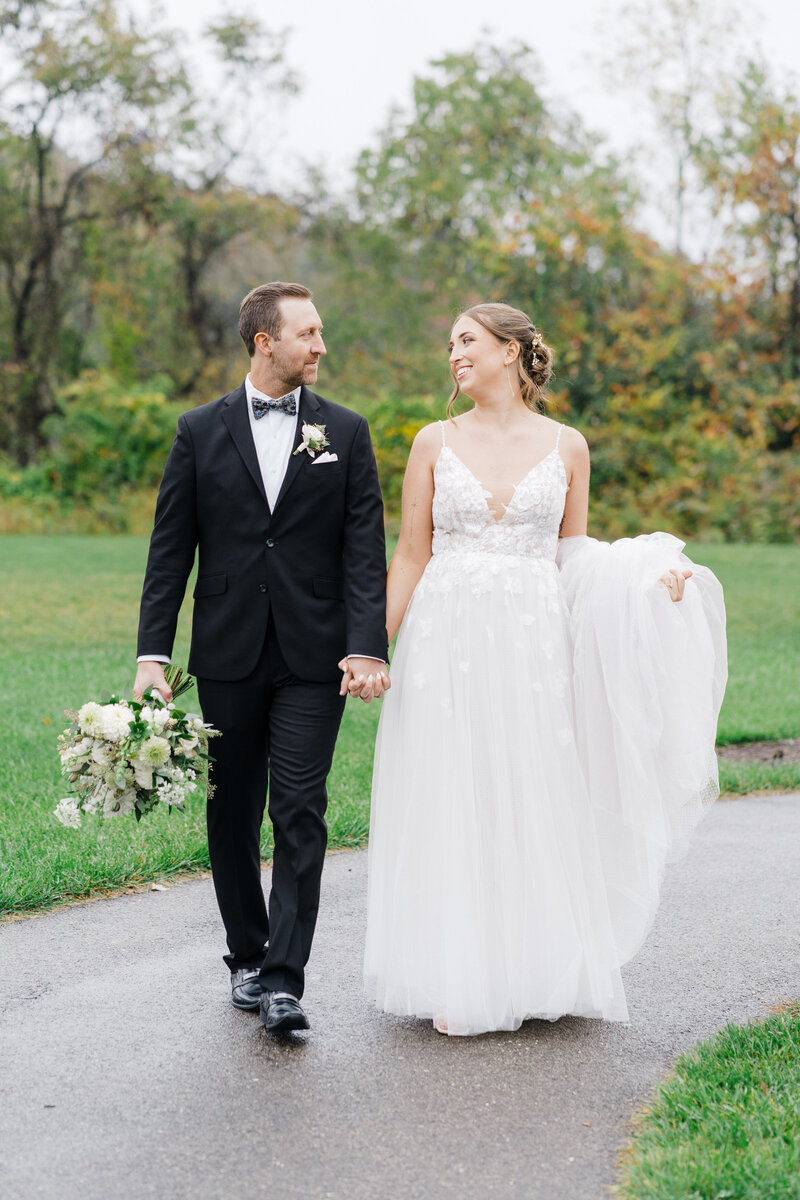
(307, 413)
(237, 419)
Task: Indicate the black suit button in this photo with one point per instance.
(270, 542)
(262, 587)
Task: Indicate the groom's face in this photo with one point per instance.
(296, 353)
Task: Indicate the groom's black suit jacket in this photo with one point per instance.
(318, 561)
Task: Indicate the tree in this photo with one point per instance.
(206, 211)
(673, 52)
(87, 91)
(103, 138)
(753, 169)
(480, 191)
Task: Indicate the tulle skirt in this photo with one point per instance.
(536, 764)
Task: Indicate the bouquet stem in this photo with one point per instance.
(178, 680)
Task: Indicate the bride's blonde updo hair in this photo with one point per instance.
(534, 363)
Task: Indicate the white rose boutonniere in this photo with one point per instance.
(314, 440)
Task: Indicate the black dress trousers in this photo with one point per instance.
(278, 736)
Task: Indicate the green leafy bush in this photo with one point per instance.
(107, 443)
(107, 436)
(394, 422)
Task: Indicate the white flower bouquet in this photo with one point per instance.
(132, 756)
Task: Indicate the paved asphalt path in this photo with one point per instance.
(126, 1073)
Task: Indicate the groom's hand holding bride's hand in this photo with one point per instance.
(364, 677)
(151, 674)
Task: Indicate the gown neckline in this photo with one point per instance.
(484, 491)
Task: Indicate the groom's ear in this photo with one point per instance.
(263, 343)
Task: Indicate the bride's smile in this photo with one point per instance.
(477, 359)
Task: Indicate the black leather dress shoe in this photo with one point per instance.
(245, 989)
(280, 1013)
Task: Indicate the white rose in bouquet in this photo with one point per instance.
(75, 757)
(116, 722)
(161, 718)
(90, 719)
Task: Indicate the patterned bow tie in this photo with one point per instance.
(286, 404)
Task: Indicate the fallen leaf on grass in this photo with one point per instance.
(157, 887)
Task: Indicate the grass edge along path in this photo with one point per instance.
(725, 1123)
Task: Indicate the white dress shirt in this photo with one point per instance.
(273, 435)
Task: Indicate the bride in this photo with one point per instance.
(548, 741)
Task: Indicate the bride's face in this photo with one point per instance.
(477, 357)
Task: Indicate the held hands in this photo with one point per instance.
(364, 677)
(151, 674)
(675, 583)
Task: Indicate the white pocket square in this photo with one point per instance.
(323, 458)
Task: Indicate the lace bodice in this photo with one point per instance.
(464, 523)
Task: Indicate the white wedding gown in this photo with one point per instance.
(546, 746)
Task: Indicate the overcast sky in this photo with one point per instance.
(357, 58)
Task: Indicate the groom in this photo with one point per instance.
(279, 490)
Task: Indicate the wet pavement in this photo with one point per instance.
(126, 1073)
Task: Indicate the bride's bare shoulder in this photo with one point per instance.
(429, 437)
(427, 444)
(572, 443)
(430, 433)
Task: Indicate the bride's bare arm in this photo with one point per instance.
(575, 454)
(414, 547)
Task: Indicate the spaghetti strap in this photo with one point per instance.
(558, 437)
(441, 426)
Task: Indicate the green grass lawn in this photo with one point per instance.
(68, 613)
(762, 701)
(762, 595)
(726, 1124)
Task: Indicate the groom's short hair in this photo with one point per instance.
(260, 311)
